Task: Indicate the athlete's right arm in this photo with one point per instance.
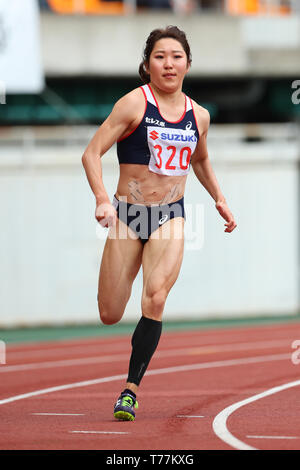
(122, 117)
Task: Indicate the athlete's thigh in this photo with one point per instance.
(162, 256)
(121, 261)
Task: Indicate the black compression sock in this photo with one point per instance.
(130, 392)
(144, 343)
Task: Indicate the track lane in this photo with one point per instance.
(202, 392)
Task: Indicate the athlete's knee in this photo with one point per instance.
(159, 298)
(106, 318)
(153, 301)
(107, 315)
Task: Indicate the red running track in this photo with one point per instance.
(215, 389)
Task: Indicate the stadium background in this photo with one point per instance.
(63, 64)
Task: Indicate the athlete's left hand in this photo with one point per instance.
(224, 211)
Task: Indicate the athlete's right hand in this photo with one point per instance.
(106, 214)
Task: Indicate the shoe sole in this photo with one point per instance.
(123, 416)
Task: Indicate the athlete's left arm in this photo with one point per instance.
(203, 170)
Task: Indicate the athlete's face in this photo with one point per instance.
(168, 64)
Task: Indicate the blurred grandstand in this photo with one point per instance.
(234, 7)
(63, 64)
(253, 86)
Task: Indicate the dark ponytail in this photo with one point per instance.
(157, 34)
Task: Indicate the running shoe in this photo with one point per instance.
(124, 408)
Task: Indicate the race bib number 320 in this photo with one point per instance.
(170, 150)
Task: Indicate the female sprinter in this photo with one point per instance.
(159, 132)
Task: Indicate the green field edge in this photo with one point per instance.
(65, 332)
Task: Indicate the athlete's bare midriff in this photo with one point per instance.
(138, 185)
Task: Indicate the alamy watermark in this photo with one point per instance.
(2, 92)
(142, 223)
(2, 353)
(296, 354)
(296, 93)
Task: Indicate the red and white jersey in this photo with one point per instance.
(165, 146)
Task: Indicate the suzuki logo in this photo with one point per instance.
(154, 135)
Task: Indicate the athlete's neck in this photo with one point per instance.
(172, 98)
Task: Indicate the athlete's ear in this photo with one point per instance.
(146, 67)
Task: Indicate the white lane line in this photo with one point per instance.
(220, 421)
(66, 351)
(189, 416)
(58, 414)
(167, 370)
(98, 432)
(60, 388)
(64, 363)
(273, 437)
(123, 357)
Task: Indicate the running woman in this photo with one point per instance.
(160, 132)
